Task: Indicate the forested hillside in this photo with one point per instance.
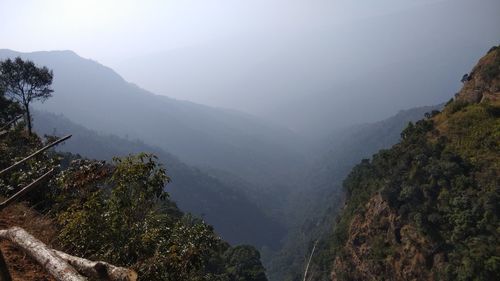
(426, 209)
(312, 210)
(223, 205)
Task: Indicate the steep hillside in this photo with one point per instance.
(223, 205)
(312, 210)
(115, 211)
(427, 209)
(98, 98)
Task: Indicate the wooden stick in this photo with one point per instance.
(25, 189)
(55, 265)
(309, 261)
(7, 125)
(34, 154)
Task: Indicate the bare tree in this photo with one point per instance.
(24, 82)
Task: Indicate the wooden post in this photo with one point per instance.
(25, 189)
(7, 125)
(34, 154)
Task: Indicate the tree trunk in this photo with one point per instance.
(98, 269)
(55, 265)
(62, 266)
(28, 117)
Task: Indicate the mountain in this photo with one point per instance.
(427, 208)
(96, 97)
(311, 210)
(222, 205)
(320, 72)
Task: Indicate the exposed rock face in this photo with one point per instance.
(483, 82)
(380, 227)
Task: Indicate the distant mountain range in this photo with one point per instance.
(223, 205)
(96, 97)
(331, 75)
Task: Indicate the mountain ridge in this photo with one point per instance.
(98, 98)
(191, 188)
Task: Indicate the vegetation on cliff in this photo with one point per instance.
(427, 209)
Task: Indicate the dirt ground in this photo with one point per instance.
(22, 267)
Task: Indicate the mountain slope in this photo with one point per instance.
(223, 205)
(98, 98)
(427, 209)
(311, 210)
(315, 75)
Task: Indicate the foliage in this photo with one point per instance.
(440, 184)
(218, 198)
(443, 182)
(120, 213)
(492, 70)
(24, 82)
(316, 207)
(243, 263)
(14, 146)
(10, 109)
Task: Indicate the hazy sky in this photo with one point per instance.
(307, 64)
(107, 30)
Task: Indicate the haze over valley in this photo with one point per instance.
(300, 140)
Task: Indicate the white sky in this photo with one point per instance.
(301, 63)
(107, 30)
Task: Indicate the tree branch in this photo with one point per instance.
(25, 190)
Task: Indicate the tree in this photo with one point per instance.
(243, 263)
(24, 82)
(8, 109)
